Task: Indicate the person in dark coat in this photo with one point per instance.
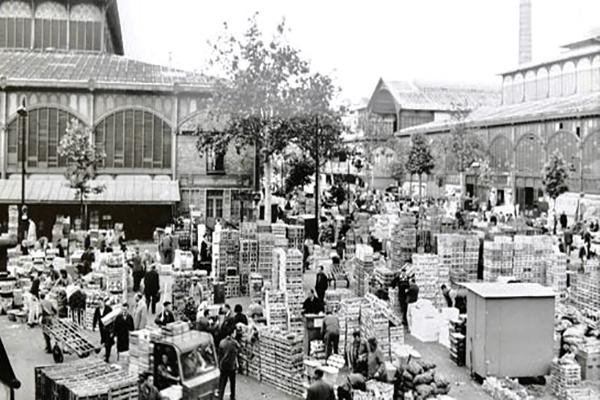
(166, 316)
(229, 350)
(152, 288)
(35, 284)
(321, 285)
(147, 389)
(239, 316)
(320, 390)
(563, 221)
(106, 332)
(137, 269)
(311, 304)
(402, 283)
(123, 325)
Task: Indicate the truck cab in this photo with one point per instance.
(190, 361)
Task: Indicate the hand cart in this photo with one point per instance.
(69, 339)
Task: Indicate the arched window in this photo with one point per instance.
(44, 128)
(50, 26)
(530, 86)
(135, 139)
(501, 154)
(555, 81)
(85, 28)
(569, 78)
(584, 76)
(15, 25)
(542, 84)
(507, 90)
(519, 88)
(596, 74)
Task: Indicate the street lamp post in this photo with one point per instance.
(22, 111)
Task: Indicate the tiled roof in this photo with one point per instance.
(580, 104)
(76, 69)
(440, 96)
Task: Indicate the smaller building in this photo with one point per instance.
(398, 105)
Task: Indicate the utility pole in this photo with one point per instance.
(317, 213)
(22, 111)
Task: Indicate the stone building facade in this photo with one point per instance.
(64, 59)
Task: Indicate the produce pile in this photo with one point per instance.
(505, 389)
(423, 380)
(573, 329)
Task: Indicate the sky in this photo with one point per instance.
(357, 42)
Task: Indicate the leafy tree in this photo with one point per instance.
(398, 171)
(267, 97)
(83, 161)
(554, 176)
(300, 172)
(463, 145)
(420, 161)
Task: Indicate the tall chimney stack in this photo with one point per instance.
(525, 31)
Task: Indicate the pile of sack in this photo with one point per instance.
(423, 380)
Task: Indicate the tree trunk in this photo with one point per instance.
(420, 186)
(268, 179)
(463, 187)
(81, 211)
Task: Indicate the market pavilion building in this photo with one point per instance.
(546, 106)
(64, 59)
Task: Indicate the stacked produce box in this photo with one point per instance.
(282, 357)
(384, 276)
(497, 259)
(232, 286)
(430, 277)
(363, 268)
(248, 230)
(564, 375)
(141, 352)
(276, 309)
(255, 286)
(248, 262)
(374, 323)
(293, 287)
(280, 235)
(556, 276)
(458, 341)
(278, 272)
(229, 250)
(350, 313)
(585, 292)
(84, 379)
(295, 236)
(266, 244)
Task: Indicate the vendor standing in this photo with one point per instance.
(322, 284)
(330, 330)
(311, 304)
(48, 313)
(137, 269)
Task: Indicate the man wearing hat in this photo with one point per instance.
(106, 331)
(166, 316)
(320, 390)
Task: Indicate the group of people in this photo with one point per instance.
(366, 362)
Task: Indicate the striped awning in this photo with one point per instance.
(119, 191)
